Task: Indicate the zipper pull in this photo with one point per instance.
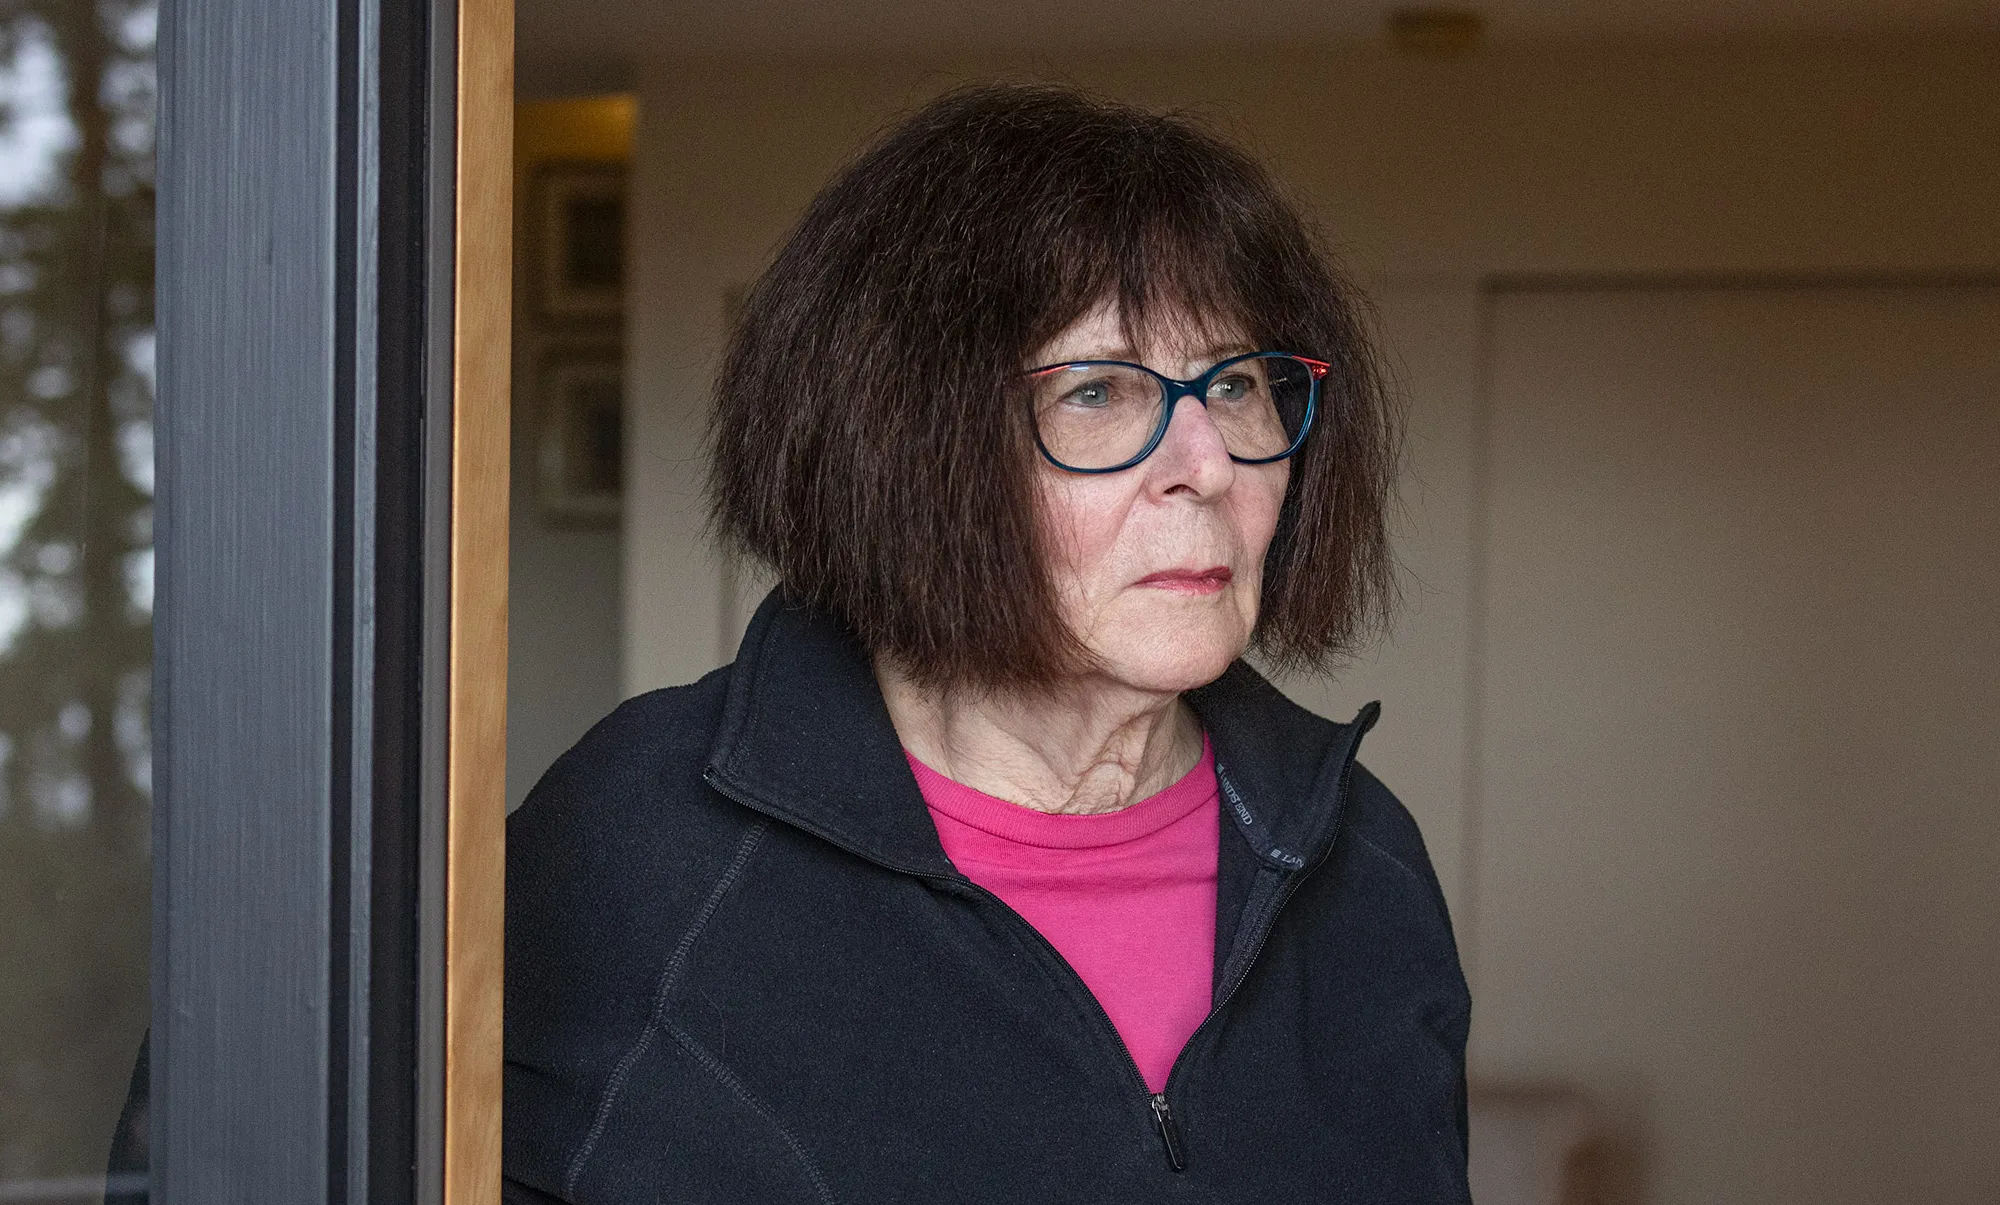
(1170, 1133)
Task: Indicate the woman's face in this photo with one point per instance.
(1158, 567)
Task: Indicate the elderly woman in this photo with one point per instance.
(989, 871)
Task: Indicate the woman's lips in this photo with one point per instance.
(1189, 581)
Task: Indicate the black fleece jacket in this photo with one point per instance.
(740, 968)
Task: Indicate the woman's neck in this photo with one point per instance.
(1085, 749)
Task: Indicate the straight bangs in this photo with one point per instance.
(1158, 240)
(871, 437)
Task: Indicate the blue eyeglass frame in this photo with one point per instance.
(1174, 390)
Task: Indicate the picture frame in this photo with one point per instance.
(578, 434)
(576, 229)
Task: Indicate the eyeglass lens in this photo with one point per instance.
(1100, 416)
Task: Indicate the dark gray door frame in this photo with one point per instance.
(303, 442)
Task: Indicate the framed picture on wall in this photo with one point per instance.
(577, 229)
(579, 444)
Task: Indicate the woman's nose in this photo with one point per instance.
(1191, 455)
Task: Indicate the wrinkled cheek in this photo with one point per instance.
(1078, 540)
(1063, 546)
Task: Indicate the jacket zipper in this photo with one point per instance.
(1285, 893)
(1163, 1117)
(1171, 1143)
(1170, 1133)
(1163, 1114)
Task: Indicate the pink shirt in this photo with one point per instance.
(1128, 898)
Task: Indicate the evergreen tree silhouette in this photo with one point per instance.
(76, 320)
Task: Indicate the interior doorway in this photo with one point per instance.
(565, 615)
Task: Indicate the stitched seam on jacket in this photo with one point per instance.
(721, 1071)
(1406, 868)
(615, 1086)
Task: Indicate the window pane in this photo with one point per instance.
(76, 581)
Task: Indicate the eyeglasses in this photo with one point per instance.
(1100, 416)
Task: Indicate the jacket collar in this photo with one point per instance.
(806, 738)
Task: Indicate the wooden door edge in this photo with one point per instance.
(475, 904)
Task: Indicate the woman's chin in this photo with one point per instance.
(1174, 661)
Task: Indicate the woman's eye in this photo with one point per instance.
(1094, 395)
(1232, 388)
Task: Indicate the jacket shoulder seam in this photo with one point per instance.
(1423, 884)
(1383, 850)
(662, 991)
(720, 1070)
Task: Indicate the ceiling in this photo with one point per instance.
(582, 45)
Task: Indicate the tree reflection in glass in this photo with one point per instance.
(76, 479)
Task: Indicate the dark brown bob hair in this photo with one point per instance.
(871, 439)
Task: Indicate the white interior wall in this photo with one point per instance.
(565, 615)
(1436, 178)
(564, 625)
(1737, 828)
